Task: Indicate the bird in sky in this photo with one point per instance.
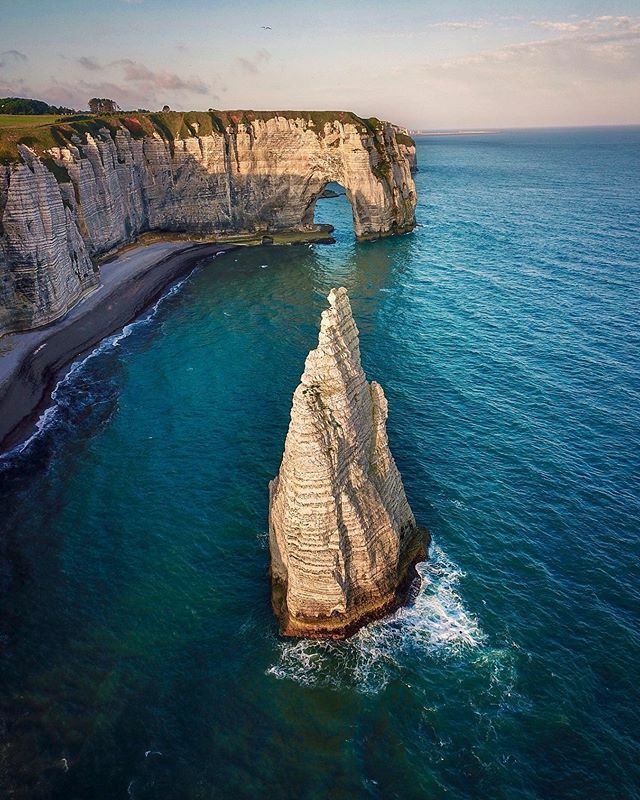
(266, 27)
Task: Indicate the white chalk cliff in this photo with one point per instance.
(75, 190)
(343, 539)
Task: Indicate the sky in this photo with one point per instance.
(426, 65)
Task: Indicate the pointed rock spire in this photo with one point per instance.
(343, 539)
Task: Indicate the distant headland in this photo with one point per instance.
(460, 132)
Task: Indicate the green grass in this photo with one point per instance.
(44, 132)
(27, 120)
(41, 132)
(39, 136)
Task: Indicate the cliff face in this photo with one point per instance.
(93, 189)
(407, 147)
(342, 536)
(44, 264)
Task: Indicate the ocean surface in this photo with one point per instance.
(140, 658)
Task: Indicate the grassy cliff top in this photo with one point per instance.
(43, 132)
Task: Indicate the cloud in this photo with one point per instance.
(16, 55)
(589, 76)
(460, 25)
(134, 72)
(14, 88)
(577, 50)
(551, 25)
(574, 24)
(60, 92)
(428, 29)
(248, 66)
(127, 81)
(253, 66)
(77, 94)
(90, 63)
(12, 56)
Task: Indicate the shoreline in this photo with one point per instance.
(31, 362)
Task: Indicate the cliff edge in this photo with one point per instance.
(75, 190)
(342, 537)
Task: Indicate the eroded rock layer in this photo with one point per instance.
(83, 188)
(342, 537)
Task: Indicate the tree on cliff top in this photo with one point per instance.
(102, 105)
(25, 105)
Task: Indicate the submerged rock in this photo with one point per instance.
(343, 539)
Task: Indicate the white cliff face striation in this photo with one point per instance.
(343, 539)
(44, 264)
(202, 174)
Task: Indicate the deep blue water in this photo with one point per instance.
(135, 606)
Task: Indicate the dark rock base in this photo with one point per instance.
(343, 627)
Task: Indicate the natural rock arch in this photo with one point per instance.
(380, 206)
(310, 218)
(206, 174)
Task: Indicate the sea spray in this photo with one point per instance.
(436, 624)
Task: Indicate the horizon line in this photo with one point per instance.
(500, 128)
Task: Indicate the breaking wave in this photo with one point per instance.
(436, 625)
(65, 390)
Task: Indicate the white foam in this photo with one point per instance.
(436, 625)
(263, 539)
(49, 415)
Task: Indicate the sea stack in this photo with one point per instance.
(343, 539)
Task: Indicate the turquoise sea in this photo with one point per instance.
(137, 637)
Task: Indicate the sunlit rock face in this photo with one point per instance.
(343, 539)
(66, 206)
